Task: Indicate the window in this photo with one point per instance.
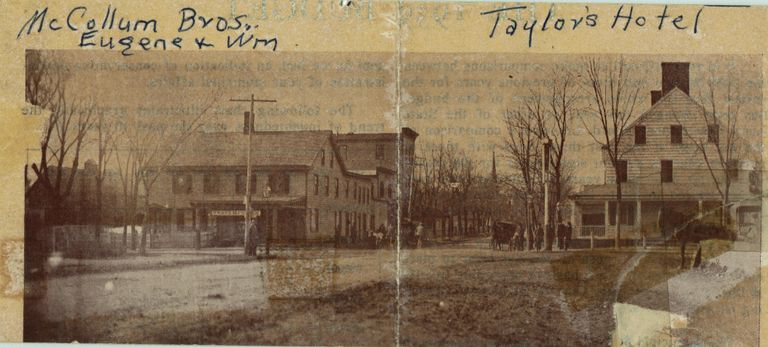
(327, 186)
(357, 197)
(322, 157)
(344, 151)
(346, 189)
(732, 169)
(331, 159)
(627, 216)
(240, 183)
(676, 133)
(379, 151)
(279, 183)
(621, 171)
(179, 218)
(640, 134)
(182, 184)
(336, 188)
(317, 185)
(381, 189)
(713, 133)
(755, 182)
(211, 184)
(313, 219)
(592, 219)
(389, 191)
(317, 220)
(666, 171)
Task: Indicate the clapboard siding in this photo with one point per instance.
(644, 161)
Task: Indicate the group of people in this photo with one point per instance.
(255, 238)
(517, 236)
(381, 237)
(564, 234)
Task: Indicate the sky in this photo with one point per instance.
(457, 99)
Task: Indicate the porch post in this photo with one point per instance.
(639, 220)
(701, 209)
(573, 213)
(606, 222)
(272, 230)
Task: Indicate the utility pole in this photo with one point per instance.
(545, 177)
(247, 198)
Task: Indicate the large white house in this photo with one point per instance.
(664, 172)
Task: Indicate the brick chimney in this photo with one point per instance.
(247, 122)
(674, 75)
(655, 96)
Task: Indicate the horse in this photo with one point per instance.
(698, 231)
(501, 234)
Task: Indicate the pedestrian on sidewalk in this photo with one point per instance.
(253, 238)
(419, 234)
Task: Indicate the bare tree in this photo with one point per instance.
(105, 138)
(520, 146)
(127, 170)
(721, 148)
(64, 131)
(612, 105)
(552, 107)
(154, 150)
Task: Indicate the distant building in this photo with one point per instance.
(304, 184)
(79, 207)
(663, 171)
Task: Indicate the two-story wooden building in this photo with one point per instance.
(663, 170)
(302, 185)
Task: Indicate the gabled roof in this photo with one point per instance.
(659, 104)
(677, 93)
(272, 148)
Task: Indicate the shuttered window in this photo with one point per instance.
(666, 171)
(640, 134)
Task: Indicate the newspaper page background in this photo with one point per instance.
(449, 72)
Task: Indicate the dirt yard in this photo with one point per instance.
(446, 296)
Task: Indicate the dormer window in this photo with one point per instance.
(640, 134)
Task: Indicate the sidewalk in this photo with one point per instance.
(671, 304)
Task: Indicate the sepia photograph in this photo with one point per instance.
(308, 198)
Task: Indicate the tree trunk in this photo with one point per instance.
(133, 235)
(145, 225)
(125, 233)
(617, 241)
(99, 214)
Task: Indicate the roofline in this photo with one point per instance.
(644, 114)
(228, 167)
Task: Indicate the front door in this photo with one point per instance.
(229, 231)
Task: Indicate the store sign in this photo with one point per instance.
(240, 213)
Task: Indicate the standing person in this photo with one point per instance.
(419, 234)
(380, 235)
(568, 235)
(539, 237)
(253, 238)
(560, 235)
(550, 236)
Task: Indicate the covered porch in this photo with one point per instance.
(650, 211)
(221, 223)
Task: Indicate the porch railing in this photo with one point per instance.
(589, 230)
